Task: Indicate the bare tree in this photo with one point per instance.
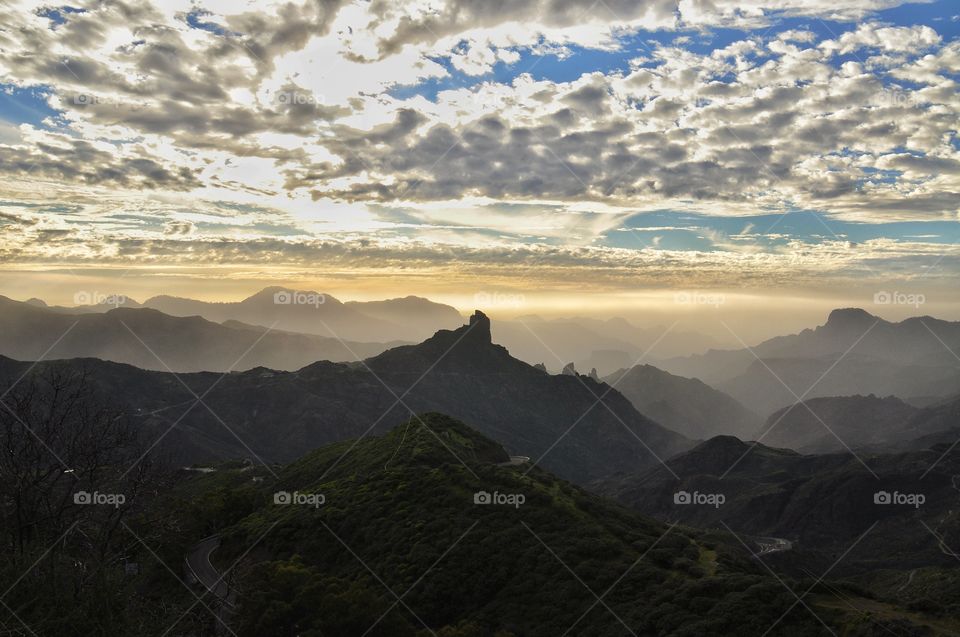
(71, 472)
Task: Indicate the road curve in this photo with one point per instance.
(199, 565)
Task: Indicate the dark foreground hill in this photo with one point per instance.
(821, 503)
(401, 519)
(578, 427)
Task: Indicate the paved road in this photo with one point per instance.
(199, 564)
(515, 460)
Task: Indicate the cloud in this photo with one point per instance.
(305, 121)
(914, 39)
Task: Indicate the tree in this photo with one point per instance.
(72, 471)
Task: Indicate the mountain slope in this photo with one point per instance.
(932, 425)
(908, 359)
(311, 312)
(422, 317)
(822, 503)
(180, 344)
(278, 415)
(685, 405)
(856, 421)
(590, 342)
(400, 513)
(765, 385)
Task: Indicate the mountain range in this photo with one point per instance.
(499, 569)
(581, 428)
(823, 425)
(150, 339)
(853, 353)
(819, 503)
(607, 345)
(410, 318)
(686, 405)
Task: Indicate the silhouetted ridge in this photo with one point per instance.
(469, 348)
(480, 327)
(850, 317)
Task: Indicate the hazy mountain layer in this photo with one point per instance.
(410, 318)
(581, 428)
(606, 345)
(852, 353)
(150, 339)
(855, 421)
(685, 405)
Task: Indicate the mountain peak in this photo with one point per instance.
(279, 295)
(480, 327)
(850, 316)
(469, 347)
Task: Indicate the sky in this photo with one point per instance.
(606, 156)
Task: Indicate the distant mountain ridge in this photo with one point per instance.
(686, 405)
(855, 421)
(279, 415)
(863, 353)
(310, 312)
(410, 318)
(607, 345)
(150, 339)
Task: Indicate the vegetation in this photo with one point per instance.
(398, 545)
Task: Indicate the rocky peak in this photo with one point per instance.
(480, 328)
(846, 318)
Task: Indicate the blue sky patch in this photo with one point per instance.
(27, 106)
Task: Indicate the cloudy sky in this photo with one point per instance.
(619, 150)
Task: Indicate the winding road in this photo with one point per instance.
(203, 571)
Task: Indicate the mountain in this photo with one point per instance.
(856, 421)
(581, 428)
(939, 424)
(854, 352)
(311, 312)
(761, 387)
(150, 339)
(820, 503)
(422, 317)
(685, 405)
(607, 345)
(400, 514)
